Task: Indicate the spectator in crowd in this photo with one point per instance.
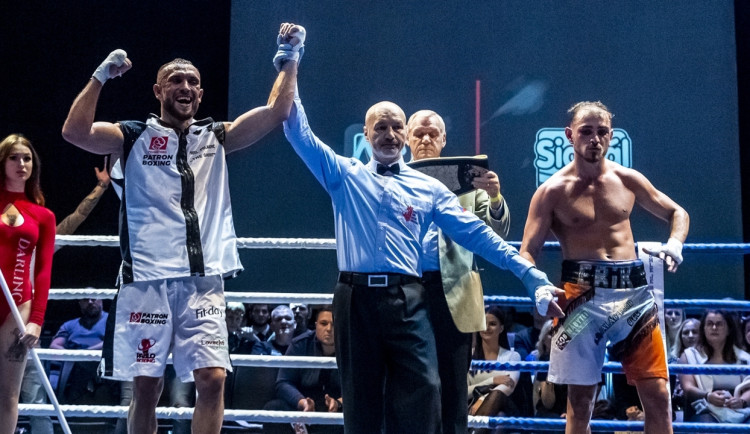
(251, 387)
(301, 317)
(715, 398)
(282, 327)
(688, 338)
(305, 389)
(258, 322)
(83, 385)
(673, 319)
(239, 343)
(489, 390)
(745, 330)
(84, 332)
(526, 340)
(689, 332)
(79, 383)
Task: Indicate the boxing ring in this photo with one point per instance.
(525, 424)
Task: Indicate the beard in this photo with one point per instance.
(592, 156)
(170, 107)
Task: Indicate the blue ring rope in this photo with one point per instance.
(598, 425)
(610, 367)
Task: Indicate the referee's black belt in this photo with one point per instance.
(431, 277)
(376, 280)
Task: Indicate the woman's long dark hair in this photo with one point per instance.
(727, 350)
(32, 189)
(502, 338)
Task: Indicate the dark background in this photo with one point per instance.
(668, 70)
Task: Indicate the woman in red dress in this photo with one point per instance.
(25, 226)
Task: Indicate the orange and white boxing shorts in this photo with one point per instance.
(606, 303)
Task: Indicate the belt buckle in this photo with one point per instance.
(377, 280)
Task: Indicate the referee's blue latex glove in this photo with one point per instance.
(541, 290)
(291, 43)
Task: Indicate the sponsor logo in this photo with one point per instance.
(158, 145)
(553, 151)
(157, 160)
(217, 342)
(211, 311)
(562, 340)
(202, 152)
(18, 270)
(157, 153)
(577, 322)
(148, 318)
(611, 320)
(634, 317)
(143, 355)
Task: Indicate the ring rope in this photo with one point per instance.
(330, 243)
(321, 418)
(330, 363)
(322, 298)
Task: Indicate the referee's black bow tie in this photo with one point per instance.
(383, 169)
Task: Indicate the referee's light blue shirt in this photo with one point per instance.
(381, 220)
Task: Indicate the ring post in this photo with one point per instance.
(34, 356)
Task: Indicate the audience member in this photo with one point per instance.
(81, 384)
(305, 389)
(238, 342)
(526, 340)
(673, 319)
(489, 390)
(301, 318)
(689, 332)
(716, 398)
(262, 380)
(258, 322)
(687, 338)
(282, 328)
(745, 330)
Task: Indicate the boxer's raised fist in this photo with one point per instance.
(113, 66)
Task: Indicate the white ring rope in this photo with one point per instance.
(237, 359)
(242, 243)
(120, 411)
(229, 296)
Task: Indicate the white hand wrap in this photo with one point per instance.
(542, 297)
(115, 58)
(673, 248)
